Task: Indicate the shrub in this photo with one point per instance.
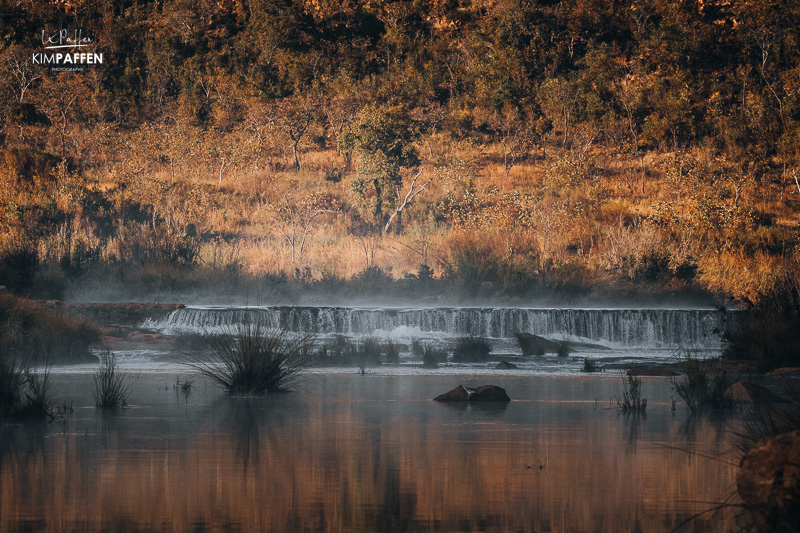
(254, 359)
(701, 388)
(36, 334)
(24, 395)
(769, 419)
(431, 357)
(632, 400)
(19, 262)
(772, 336)
(470, 348)
(110, 389)
(590, 365)
(392, 352)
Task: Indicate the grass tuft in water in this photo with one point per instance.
(632, 400)
(590, 365)
(392, 351)
(24, 394)
(110, 388)
(471, 349)
(431, 357)
(254, 359)
(702, 388)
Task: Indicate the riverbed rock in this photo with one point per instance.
(746, 392)
(769, 483)
(505, 365)
(535, 345)
(485, 393)
(784, 372)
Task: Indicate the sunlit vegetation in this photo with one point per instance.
(496, 149)
(253, 360)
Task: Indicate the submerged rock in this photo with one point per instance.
(486, 393)
(505, 365)
(769, 483)
(652, 370)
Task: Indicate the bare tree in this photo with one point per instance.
(629, 95)
(295, 218)
(25, 73)
(294, 116)
(412, 193)
(515, 134)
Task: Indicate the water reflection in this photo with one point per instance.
(362, 454)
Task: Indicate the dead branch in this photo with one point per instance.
(413, 191)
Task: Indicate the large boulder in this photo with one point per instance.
(486, 393)
(531, 344)
(769, 483)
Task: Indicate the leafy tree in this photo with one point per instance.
(384, 139)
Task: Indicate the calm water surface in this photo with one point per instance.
(366, 453)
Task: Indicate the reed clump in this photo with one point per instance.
(702, 388)
(431, 357)
(254, 359)
(110, 387)
(632, 400)
(24, 394)
(590, 365)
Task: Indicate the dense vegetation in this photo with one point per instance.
(517, 147)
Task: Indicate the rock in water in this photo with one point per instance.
(746, 392)
(486, 393)
(769, 483)
(505, 365)
(531, 344)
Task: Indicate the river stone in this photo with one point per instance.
(784, 372)
(486, 393)
(535, 345)
(769, 483)
(745, 392)
(505, 365)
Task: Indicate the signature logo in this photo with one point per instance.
(73, 59)
(65, 39)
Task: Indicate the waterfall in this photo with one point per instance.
(653, 328)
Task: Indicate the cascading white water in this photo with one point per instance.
(649, 328)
